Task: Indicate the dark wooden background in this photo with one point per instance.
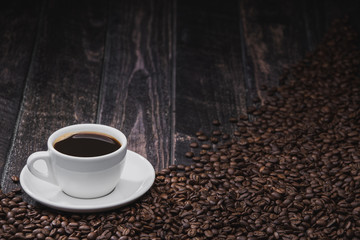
(157, 70)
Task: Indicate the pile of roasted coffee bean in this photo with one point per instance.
(292, 172)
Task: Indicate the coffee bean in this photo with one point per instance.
(189, 154)
(199, 133)
(216, 133)
(202, 138)
(15, 179)
(208, 233)
(356, 211)
(214, 139)
(206, 146)
(56, 223)
(19, 235)
(41, 236)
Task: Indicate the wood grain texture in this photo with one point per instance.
(209, 69)
(274, 37)
(18, 25)
(63, 82)
(137, 84)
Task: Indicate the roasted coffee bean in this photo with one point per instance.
(41, 236)
(206, 146)
(199, 133)
(202, 137)
(189, 154)
(214, 139)
(15, 179)
(216, 133)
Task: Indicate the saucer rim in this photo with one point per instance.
(141, 190)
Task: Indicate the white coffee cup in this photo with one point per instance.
(81, 177)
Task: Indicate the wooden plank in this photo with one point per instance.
(136, 91)
(18, 25)
(209, 69)
(63, 82)
(274, 38)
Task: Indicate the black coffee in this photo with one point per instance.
(87, 144)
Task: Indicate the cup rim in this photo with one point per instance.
(64, 130)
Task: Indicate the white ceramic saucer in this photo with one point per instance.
(137, 177)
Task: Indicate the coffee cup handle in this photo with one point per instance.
(45, 156)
